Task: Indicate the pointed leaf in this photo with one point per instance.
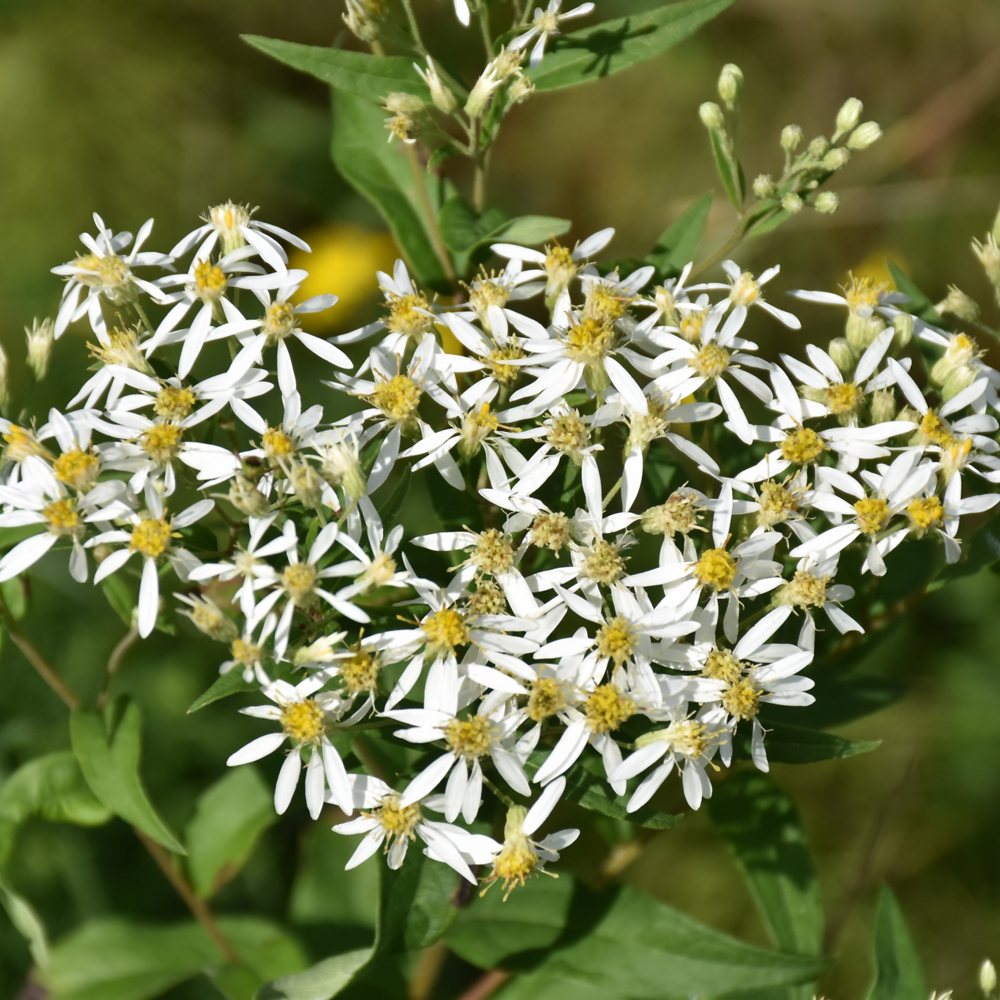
(797, 745)
(529, 230)
(678, 244)
(919, 304)
(227, 684)
(898, 974)
(614, 45)
(108, 749)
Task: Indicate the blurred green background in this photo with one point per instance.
(158, 109)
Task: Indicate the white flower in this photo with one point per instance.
(386, 820)
(745, 290)
(810, 589)
(306, 719)
(152, 537)
(545, 26)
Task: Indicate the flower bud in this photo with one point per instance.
(791, 203)
(884, 406)
(862, 330)
(836, 158)
(987, 977)
(848, 116)
(488, 82)
(865, 135)
(306, 484)
(827, 202)
(764, 186)
(711, 115)
(210, 619)
(342, 467)
(791, 138)
(959, 380)
(989, 256)
(818, 147)
(730, 84)
(521, 89)
(902, 323)
(843, 357)
(362, 18)
(401, 103)
(443, 98)
(959, 304)
(40, 337)
(246, 498)
(956, 367)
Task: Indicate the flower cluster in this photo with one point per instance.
(587, 604)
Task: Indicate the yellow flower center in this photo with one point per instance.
(505, 374)
(777, 504)
(804, 590)
(925, 513)
(550, 531)
(151, 537)
(802, 446)
(687, 737)
(873, 514)
(21, 443)
(445, 631)
(122, 349)
(843, 398)
(379, 573)
(161, 442)
(299, 582)
(360, 670)
(560, 267)
(77, 468)
(568, 433)
(487, 599)
(249, 654)
(62, 517)
(173, 403)
(691, 325)
(409, 315)
(863, 293)
(492, 553)
(604, 306)
(471, 738)
(398, 398)
(721, 665)
(303, 721)
(742, 699)
(397, 821)
(279, 321)
(745, 290)
(589, 342)
(710, 361)
(477, 426)
(934, 430)
(486, 292)
(607, 708)
(277, 445)
(545, 699)
(209, 281)
(678, 515)
(716, 569)
(603, 563)
(617, 639)
(109, 271)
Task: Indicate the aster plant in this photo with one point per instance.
(643, 549)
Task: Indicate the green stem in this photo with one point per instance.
(731, 244)
(414, 28)
(142, 315)
(483, 14)
(501, 795)
(440, 250)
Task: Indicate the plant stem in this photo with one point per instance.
(427, 972)
(118, 654)
(502, 796)
(731, 244)
(44, 669)
(414, 28)
(486, 985)
(198, 907)
(440, 250)
(483, 13)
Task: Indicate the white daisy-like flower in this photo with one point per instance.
(386, 820)
(151, 535)
(247, 651)
(812, 589)
(545, 26)
(746, 290)
(104, 271)
(306, 719)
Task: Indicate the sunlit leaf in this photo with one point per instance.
(227, 684)
(797, 745)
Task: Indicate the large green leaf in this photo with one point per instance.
(353, 72)
(612, 46)
(841, 697)
(111, 959)
(222, 687)
(624, 944)
(489, 931)
(764, 832)
(678, 244)
(898, 974)
(229, 818)
(797, 745)
(27, 923)
(379, 171)
(108, 749)
(324, 980)
(530, 230)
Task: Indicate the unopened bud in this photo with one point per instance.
(521, 89)
(848, 116)
(791, 203)
(862, 330)
(711, 115)
(306, 484)
(401, 103)
(341, 467)
(958, 304)
(362, 18)
(818, 147)
(884, 406)
(987, 978)
(836, 158)
(210, 619)
(827, 202)
(989, 256)
(843, 357)
(764, 186)
(730, 84)
(246, 498)
(791, 138)
(957, 363)
(40, 337)
(959, 380)
(443, 98)
(902, 324)
(865, 135)
(488, 82)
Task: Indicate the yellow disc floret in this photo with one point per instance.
(710, 361)
(410, 315)
(589, 341)
(397, 821)
(722, 665)
(303, 721)
(804, 590)
(492, 553)
(209, 281)
(360, 670)
(545, 699)
(745, 290)
(802, 446)
(151, 537)
(173, 402)
(872, 514)
(62, 517)
(602, 563)
(741, 698)
(925, 513)
(161, 442)
(397, 398)
(77, 468)
(445, 631)
(606, 708)
(716, 569)
(299, 582)
(278, 322)
(616, 640)
(278, 446)
(842, 399)
(471, 738)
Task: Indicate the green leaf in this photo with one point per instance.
(9, 537)
(27, 923)
(762, 827)
(321, 982)
(17, 597)
(459, 224)
(920, 305)
(982, 550)
(770, 223)
(614, 45)
(227, 684)
(51, 787)
(431, 912)
(797, 745)
(728, 171)
(490, 931)
(355, 73)
(229, 818)
(108, 750)
(898, 974)
(120, 597)
(379, 171)
(624, 944)
(677, 246)
(529, 230)
(841, 697)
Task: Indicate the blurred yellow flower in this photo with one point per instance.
(874, 266)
